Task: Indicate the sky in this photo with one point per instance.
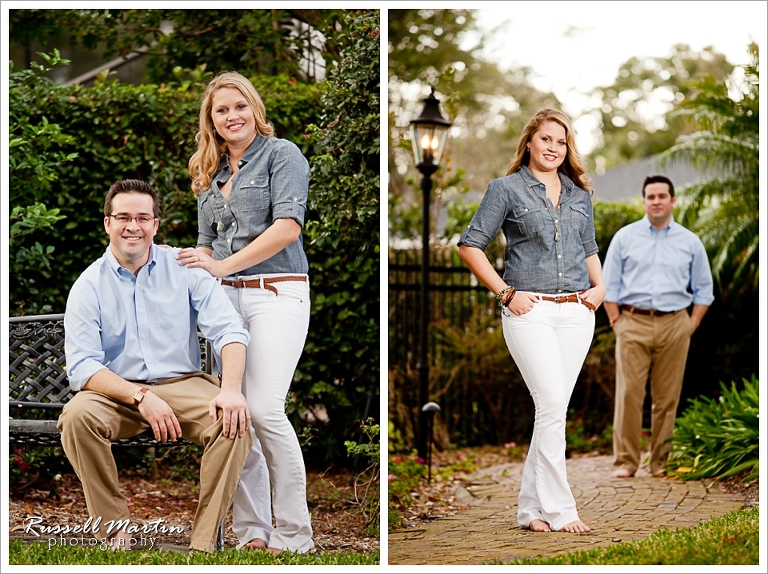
(573, 47)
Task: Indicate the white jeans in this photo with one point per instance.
(278, 327)
(549, 345)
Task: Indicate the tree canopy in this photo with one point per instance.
(298, 43)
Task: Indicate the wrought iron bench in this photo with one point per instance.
(38, 380)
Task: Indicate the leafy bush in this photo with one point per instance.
(367, 482)
(718, 438)
(147, 132)
(123, 131)
(405, 474)
(340, 366)
(36, 153)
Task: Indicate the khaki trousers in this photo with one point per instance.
(90, 421)
(656, 347)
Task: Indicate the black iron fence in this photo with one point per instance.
(471, 376)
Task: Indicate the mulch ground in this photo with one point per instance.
(338, 521)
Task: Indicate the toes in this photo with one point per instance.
(539, 526)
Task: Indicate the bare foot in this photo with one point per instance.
(621, 473)
(121, 541)
(274, 550)
(575, 526)
(256, 543)
(539, 526)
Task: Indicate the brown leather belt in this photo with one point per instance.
(574, 298)
(256, 283)
(648, 312)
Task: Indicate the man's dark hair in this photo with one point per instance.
(659, 179)
(131, 186)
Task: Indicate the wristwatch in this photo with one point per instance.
(139, 396)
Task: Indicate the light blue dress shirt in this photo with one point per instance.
(665, 269)
(144, 327)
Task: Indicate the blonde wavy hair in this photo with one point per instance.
(573, 166)
(204, 163)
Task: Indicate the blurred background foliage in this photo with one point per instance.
(706, 112)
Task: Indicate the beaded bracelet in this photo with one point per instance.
(505, 296)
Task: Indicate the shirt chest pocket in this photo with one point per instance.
(528, 219)
(256, 194)
(578, 217)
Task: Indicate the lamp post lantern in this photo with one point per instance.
(429, 132)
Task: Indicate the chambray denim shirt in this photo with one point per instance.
(272, 183)
(533, 260)
(664, 269)
(144, 327)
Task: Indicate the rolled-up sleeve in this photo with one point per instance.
(289, 180)
(205, 237)
(588, 240)
(488, 218)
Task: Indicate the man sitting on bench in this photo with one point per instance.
(133, 355)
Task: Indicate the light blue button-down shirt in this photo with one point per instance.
(144, 327)
(665, 269)
(533, 260)
(272, 183)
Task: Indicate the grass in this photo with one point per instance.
(38, 553)
(730, 539)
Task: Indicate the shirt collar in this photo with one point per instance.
(256, 145)
(532, 181)
(650, 226)
(118, 269)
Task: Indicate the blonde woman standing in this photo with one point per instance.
(551, 288)
(251, 190)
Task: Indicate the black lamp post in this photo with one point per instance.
(429, 134)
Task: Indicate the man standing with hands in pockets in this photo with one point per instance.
(654, 270)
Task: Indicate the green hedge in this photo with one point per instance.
(124, 131)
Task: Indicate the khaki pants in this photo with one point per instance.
(656, 347)
(90, 421)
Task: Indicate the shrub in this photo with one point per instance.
(718, 438)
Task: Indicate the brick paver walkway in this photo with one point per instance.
(616, 510)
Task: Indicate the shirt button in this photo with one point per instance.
(559, 274)
(229, 241)
(557, 221)
(233, 224)
(559, 256)
(143, 336)
(252, 182)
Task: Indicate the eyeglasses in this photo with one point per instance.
(126, 219)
